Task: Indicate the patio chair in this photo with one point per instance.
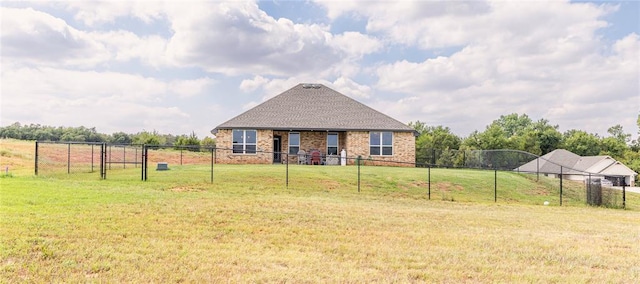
(302, 157)
(316, 158)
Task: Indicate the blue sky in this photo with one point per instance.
(178, 67)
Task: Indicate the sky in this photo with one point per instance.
(179, 67)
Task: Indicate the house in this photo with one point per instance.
(575, 167)
(313, 117)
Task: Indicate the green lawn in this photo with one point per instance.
(248, 226)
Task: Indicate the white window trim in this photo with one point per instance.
(381, 145)
(244, 143)
(337, 142)
(289, 143)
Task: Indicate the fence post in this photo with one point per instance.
(495, 185)
(110, 156)
(287, 166)
(124, 157)
(624, 194)
(588, 190)
(36, 160)
(143, 159)
(92, 159)
(103, 160)
(146, 161)
(538, 169)
(464, 158)
(358, 162)
(561, 185)
(211, 165)
(181, 155)
(68, 158)
(429, 180)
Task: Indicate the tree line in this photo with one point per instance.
(85, 134)
(520, 132)
(513, 131)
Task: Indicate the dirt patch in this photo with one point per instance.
(330, 184)
(419, 183)
(185, 189)
(447, 187)
(541, 191)
(442, 186)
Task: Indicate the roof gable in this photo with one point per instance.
(313, 107)
(574, 164)
(594, 163)
(618, 168)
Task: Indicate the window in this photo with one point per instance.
(294, 142)
(332, 144)
(380, 143)
(244, 141)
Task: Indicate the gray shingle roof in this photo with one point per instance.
(314, 107)
(551, 162)
(571, 163)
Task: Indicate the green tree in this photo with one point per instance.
(615, 145)
(184, 140)
(120, 138)
(208, 142)
(419, 126)
(494, 137)
(581, 143)
(636, 145)
(432, 141)
(148, 138)
(547, 137)
(514, 124)
(618, 133)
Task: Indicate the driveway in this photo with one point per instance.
(629, 188)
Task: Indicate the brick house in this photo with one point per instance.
(313, 117)
(581, 168)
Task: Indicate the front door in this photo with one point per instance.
(277, 148)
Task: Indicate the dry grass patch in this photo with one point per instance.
(17, 156)
(61, 231)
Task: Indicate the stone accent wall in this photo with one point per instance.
(224, 153)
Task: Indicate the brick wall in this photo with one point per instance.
(404, 150)
(310, 140)
(224, 144)
(354, 142)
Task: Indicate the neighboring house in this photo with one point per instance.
(313, 117)
(574, 167)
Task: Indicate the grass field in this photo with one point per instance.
(249, 227)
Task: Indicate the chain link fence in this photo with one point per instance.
(197, 164)
(67, 158)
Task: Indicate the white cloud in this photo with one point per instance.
(33, 37)
(356, 44)
(125, 46)
(237, 38)
(250, 85)
(95, 13)
(190, 88)
(108, 100)
(350, 88)
(547, 59)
